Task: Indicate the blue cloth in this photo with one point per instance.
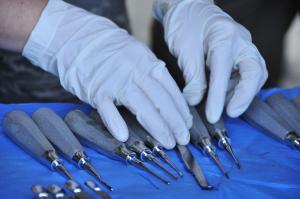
(269, 169)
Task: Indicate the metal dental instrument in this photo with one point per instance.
(132, 158)
(261, 115)
(152, 143)
(137, 145)
(93, 186)
(25, 133)
(219, 133)
(57, 192)
(193, 167)
(75, 188)
(201, 139)
(157, 149)
(55, 129)
(40, 192)
(92, 133)
(286, 110)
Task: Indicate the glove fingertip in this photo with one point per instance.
(169, 143)
(235, 112)
(194, 93)
(211, 117)
(192, 99)
(189, 122)
(122, 136)
(184, 138)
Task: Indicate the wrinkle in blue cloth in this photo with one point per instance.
(270, 169)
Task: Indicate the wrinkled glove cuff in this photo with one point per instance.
(161, 7)
(37, 47)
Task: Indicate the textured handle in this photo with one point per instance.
(95, 116)
(213, 129)
(136, 130)
(286, 110)
(296, 101)
(216, 127)
(133, 140)
(198, 130)
(24, 132)
(55, 129)
(261, 115)
(133, 128)
(91, 133)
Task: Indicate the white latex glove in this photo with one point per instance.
(199, 33)
(104, 66)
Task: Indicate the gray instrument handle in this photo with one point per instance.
(55, 129)
(272, 113)
(134, 128)
(261, 115)
(24, 132)
(95, 116)
(286, 110)
(92, 133)
(213, 129)
(296, 101)
(133, 140)
(198, 130)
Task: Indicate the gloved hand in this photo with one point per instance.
(199, 33)
(104, 66)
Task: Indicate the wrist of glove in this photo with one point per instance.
(104, 66)
(200, 34)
